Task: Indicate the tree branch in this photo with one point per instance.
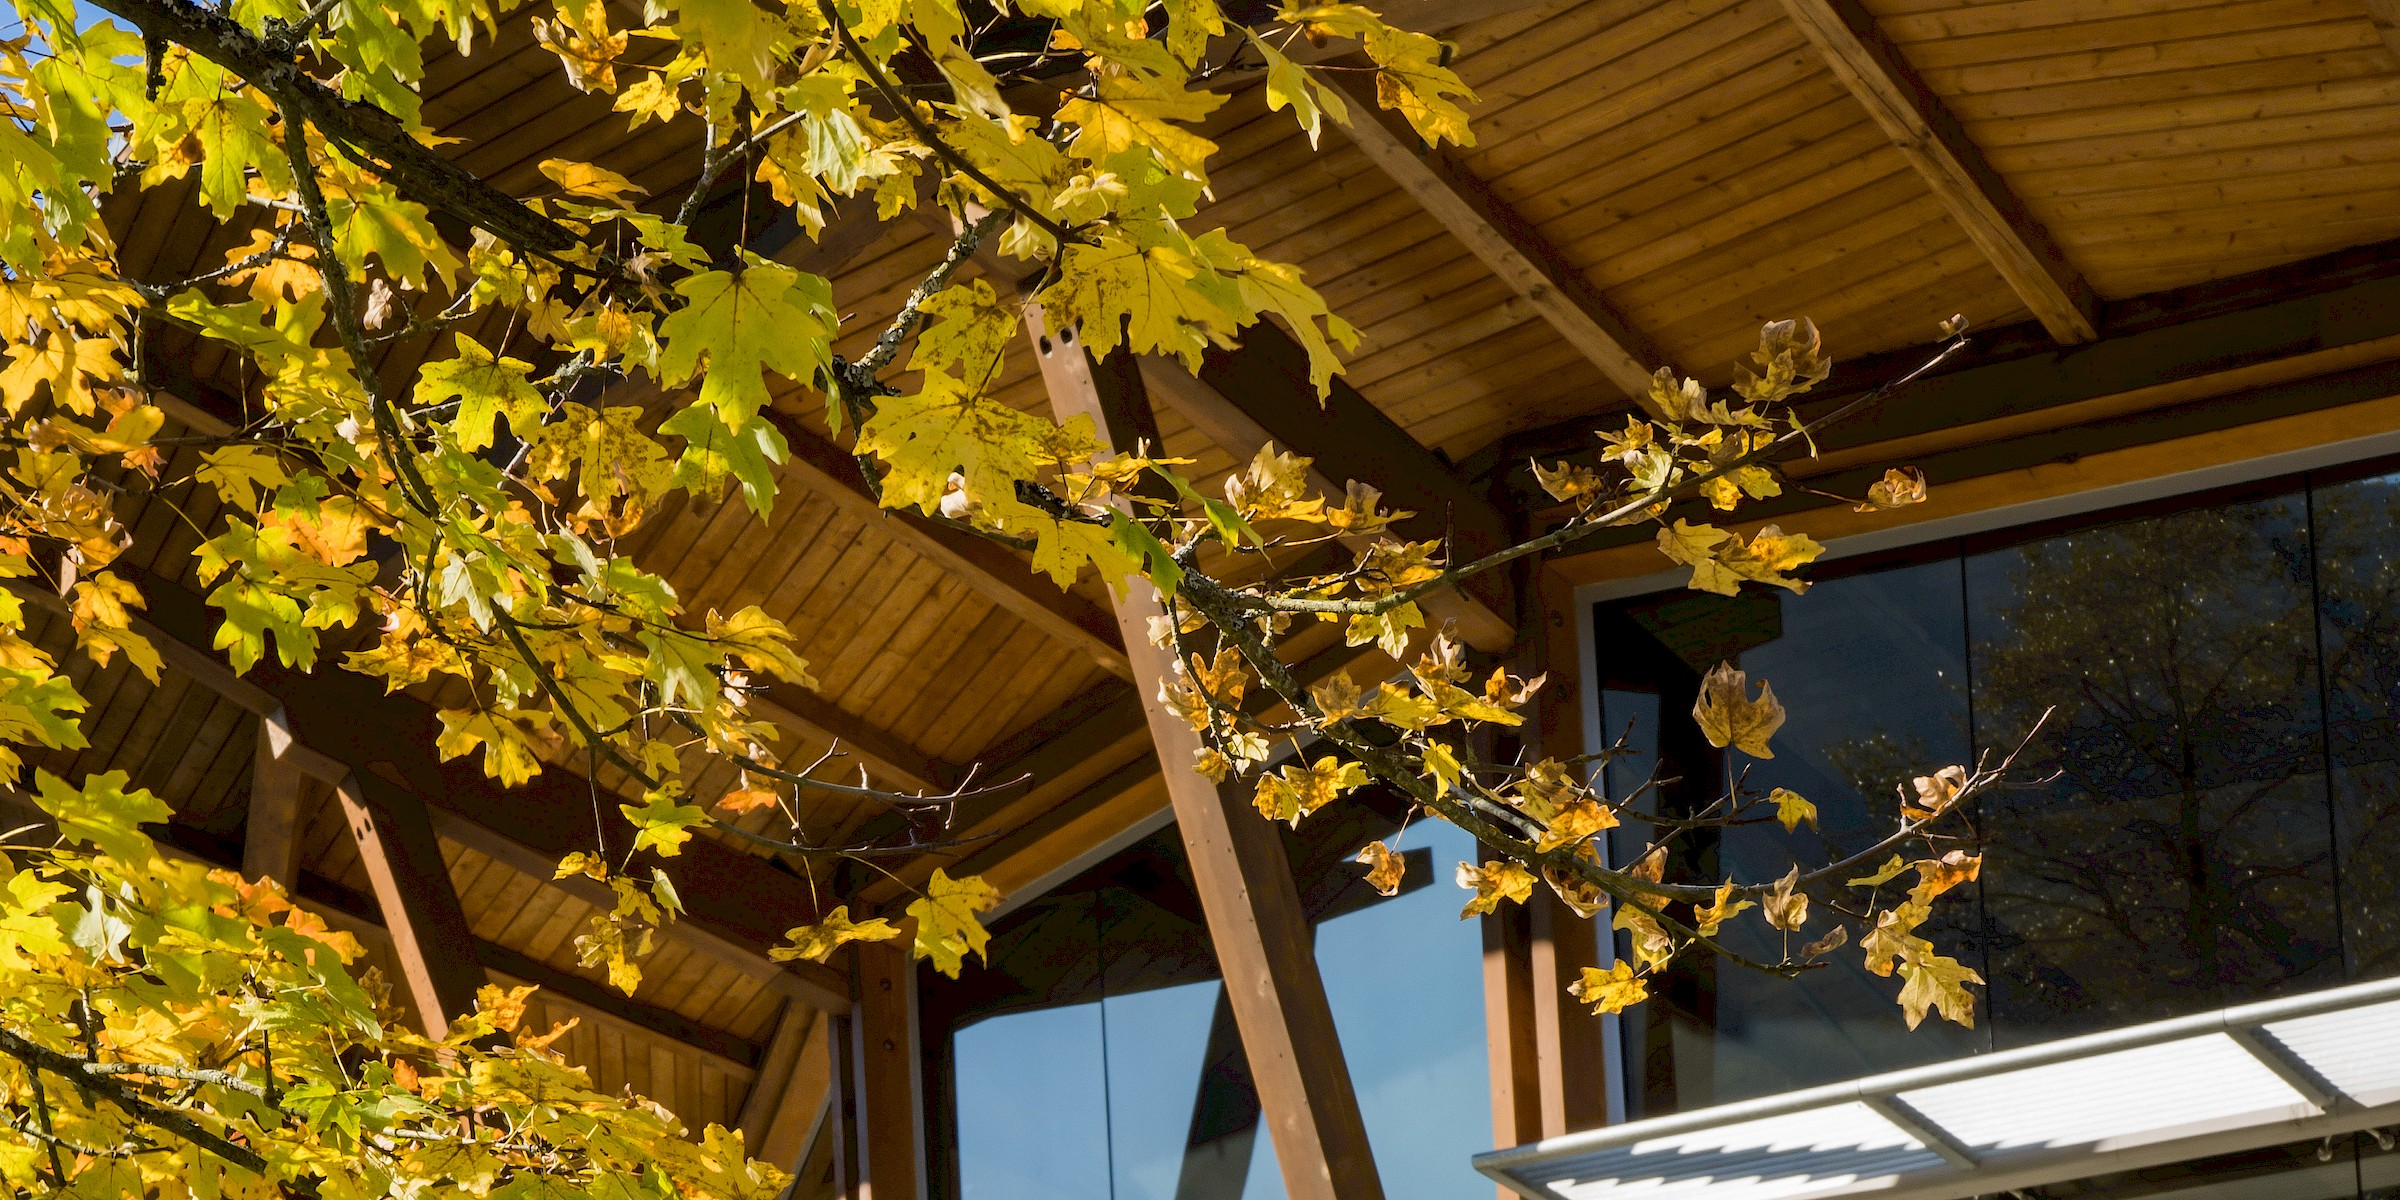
(371, 131)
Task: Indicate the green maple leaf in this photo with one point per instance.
(1124, 114)
(486, 386)
(742, 324)
(662, 824)
(506, 735)
(714, 452)
(102, 812)
(34, 706)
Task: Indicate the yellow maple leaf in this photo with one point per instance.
(947, 924)
(1612, 990)
(1786, 906)
(103, 626)
(1493, 882)
(487, 387)
(741, 324)
(1791, 808)
(760, 642)
(1712, 916)
(1385, 867)
(1576, 821)
(1728, 716)
(817, 942)
(1933, 981)
(506, 735)
(1122, 114)
(1296, 791)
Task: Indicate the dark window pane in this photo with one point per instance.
(2359, 599)
(1871, 669)
(2179, 855)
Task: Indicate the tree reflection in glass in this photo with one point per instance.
(2176, 853)
(2358, 580)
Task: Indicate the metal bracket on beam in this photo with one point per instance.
(1936, 1139)
(2256, 1043)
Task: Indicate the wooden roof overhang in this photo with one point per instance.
(2175, 219)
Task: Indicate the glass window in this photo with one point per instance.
(1057, 1149)
(1097, 1056)
(2209, 812)
(1405, 980)
(2358, 581)
(1872, 668)
(2179, 856)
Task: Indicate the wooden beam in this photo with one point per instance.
(1508, 1029)
(821, 987)
(891, 1098)
(1509, 245)
(885, 756)
(994, 570)
(2270, 327)
(2339, 407)
(774, 1072)
(1262, 938)
(1922, 128)
(785, 1104)
(1237, 432)
(271, 830)
(356, 913)
(1260, 392)
(2386, 16)
(430, 936)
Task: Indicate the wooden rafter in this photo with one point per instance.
(1922, 128)
(991, 569)
(1261, 936)
(1508, 244)
(820, 988)
(2386, 16)
(1261, 390)
(1387, 457)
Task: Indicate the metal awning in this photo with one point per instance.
(2219, 1082)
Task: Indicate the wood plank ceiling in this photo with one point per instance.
(1696, 161)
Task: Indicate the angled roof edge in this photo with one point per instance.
(2233, 1079)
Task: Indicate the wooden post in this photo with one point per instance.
(891, 1106)
(271, 831)
(1570, 1055)
(1245, 882)
(404, 862)
(1508, 1023)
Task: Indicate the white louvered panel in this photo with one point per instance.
(2357, 1051)
(2112, 1101)
(1818, 1152)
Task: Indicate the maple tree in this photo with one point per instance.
(468, 530)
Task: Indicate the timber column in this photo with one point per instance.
(1245, 882)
